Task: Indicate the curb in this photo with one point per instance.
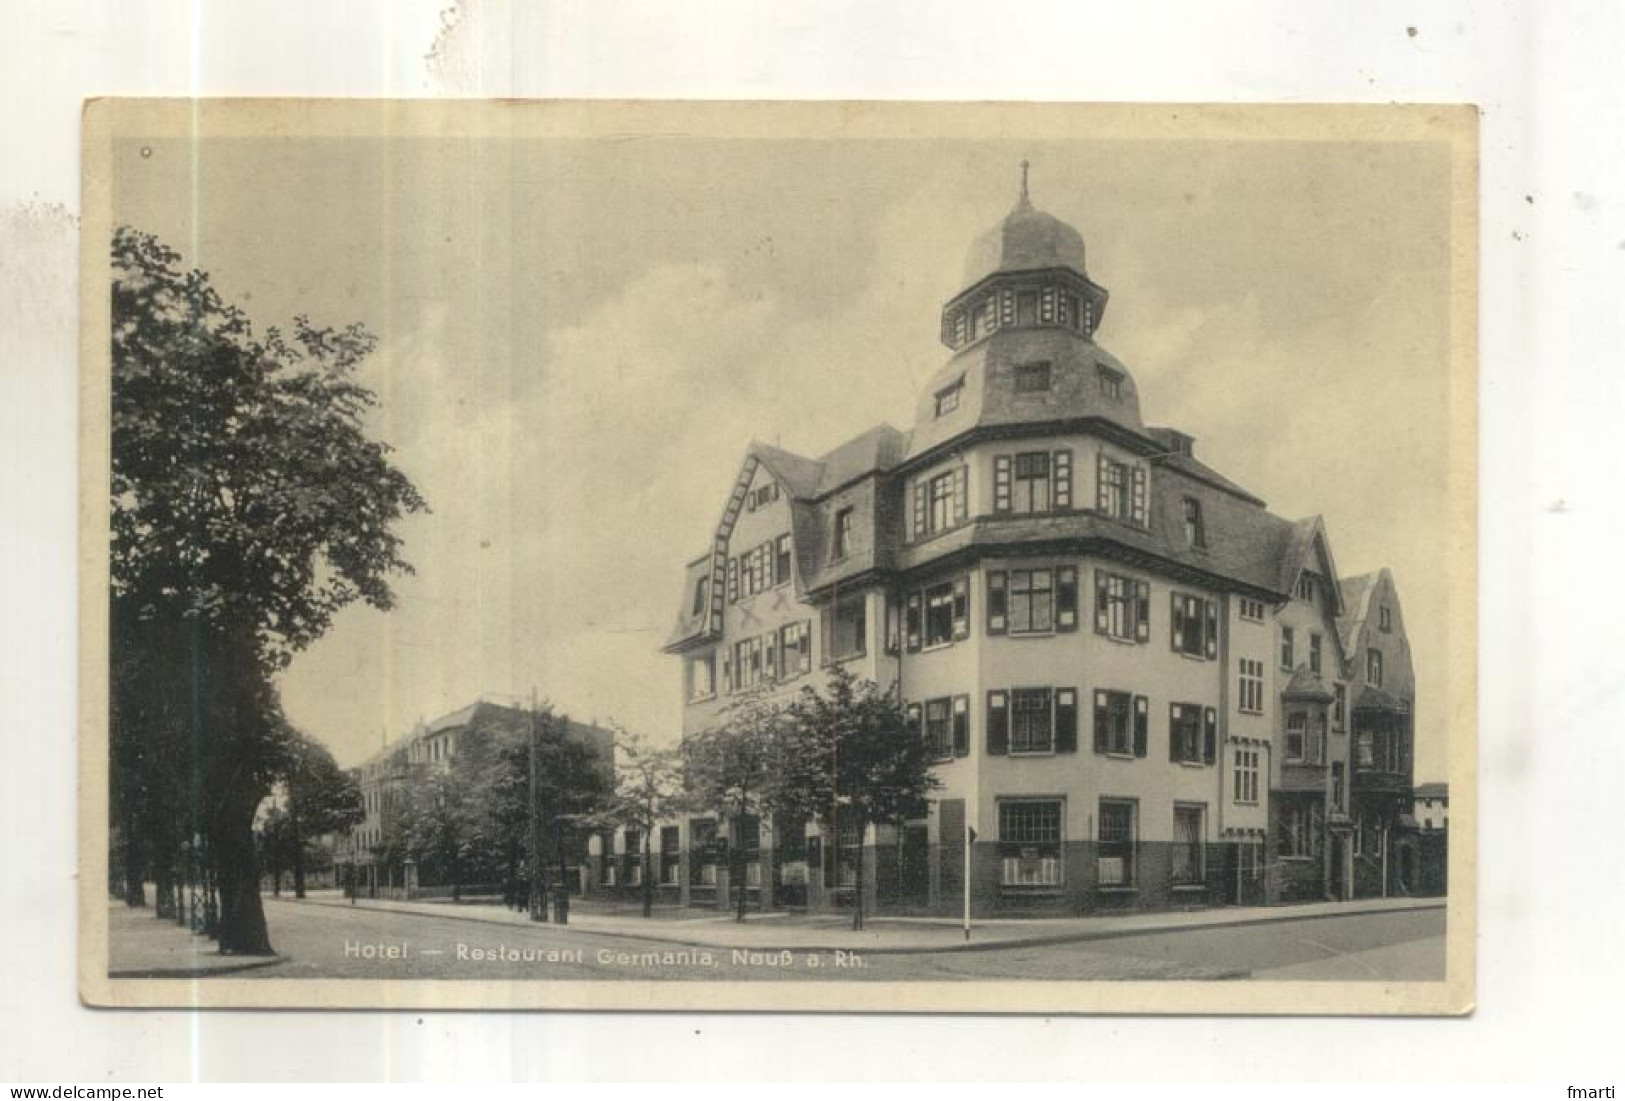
(1046, 941)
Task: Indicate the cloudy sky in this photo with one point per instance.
(580, 337)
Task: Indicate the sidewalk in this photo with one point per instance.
(833, 932)
(141, 946)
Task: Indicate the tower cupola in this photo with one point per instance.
(1026, 271)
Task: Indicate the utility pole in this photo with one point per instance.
(538, 906)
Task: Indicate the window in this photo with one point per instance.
(1030, 843)
(1286, 647)
(948, 398)
(941, 498)
(1073, 316)
(1340, 706)
(1252, 609)
(1195, 534)
(1031, 601)
(1116, 843)
(795, 648)
(843, 533)
(1195, 626)
(781, 559)
(1121, 490)
(1121, 723)
(1314, 653)
(1122, 607)
(1244, 775)
(670, 856)
(761, 496)
(755, 570)
(1188, 863)
(939, 614)
(1297, 726)
(1032, 378)
(1250, 698)
(1111, 382)
(846, 628)
(1299, 828)
(1386, 618)
(1185, 733)
(749, 664)
(702, 677)
(701, 588)
(1032, 482)
(1306, 587)
(1373, 668)
(1026, 307)
(1031, 730)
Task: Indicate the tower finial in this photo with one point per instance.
(1024, 167)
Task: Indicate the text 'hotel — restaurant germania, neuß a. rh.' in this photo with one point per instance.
(1143, 690)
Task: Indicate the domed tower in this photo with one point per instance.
(1022, 331)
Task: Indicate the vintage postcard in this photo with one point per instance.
(733, 556)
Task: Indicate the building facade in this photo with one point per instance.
(431, 745)
(1139, 685)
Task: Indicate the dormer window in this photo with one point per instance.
(948, 397)
(1387, 618)
(1111, 382)
(701, 588)
(843, 533)
(1306, 588)
(1195, 534)
(1032, 378)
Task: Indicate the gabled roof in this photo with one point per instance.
(1372, 698)
(877, 449)
(1433, 790)
(1310, 548)
(1356, 592)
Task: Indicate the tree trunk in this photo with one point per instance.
(163, 891)
(456, 881)
(648, 877)
(135, 891)
(857, 897)
(298, 864)
(737, 862)
(242, 930)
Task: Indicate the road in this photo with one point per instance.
(337, 942)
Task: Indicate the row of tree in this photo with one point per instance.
(249, 505)
(845, 757)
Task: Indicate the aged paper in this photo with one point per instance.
(705, 401)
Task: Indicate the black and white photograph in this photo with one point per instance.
(843, 556)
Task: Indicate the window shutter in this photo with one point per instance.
(1139, 494)
(1142, 620)
(1212, 628)
(996, 581)
(961, 607)
(1210, 735)
(1175, 713)
(1103, 719)
(1066, 720)
(733, 579)
(1102, 490)
(911, 622)
(727, 673)
(1063, 478)
(961, 493)
(1142, 723)
(919, 508)
(1176, 634)
(915, 724)
(1102, 602)
(998, 724)
(961, 726)
(1066, 598)
(772, 657)
(1001, 483)
(826, 632)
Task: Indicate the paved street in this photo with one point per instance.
(324, 941)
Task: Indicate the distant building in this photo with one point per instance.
(1142, 689)
(1432, 806)
(433, 745)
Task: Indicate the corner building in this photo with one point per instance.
(1130, 673)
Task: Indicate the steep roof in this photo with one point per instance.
(878, 448)
(1026, 240)
(1433, 790)
(1306, 686)
(1356, 593)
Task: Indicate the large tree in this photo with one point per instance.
(318, 797)
(249, 506)
(735, 769)
(852, 760)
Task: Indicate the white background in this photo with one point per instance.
(1553, 253)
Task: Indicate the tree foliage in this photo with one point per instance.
(248, 506)
(649, 789)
